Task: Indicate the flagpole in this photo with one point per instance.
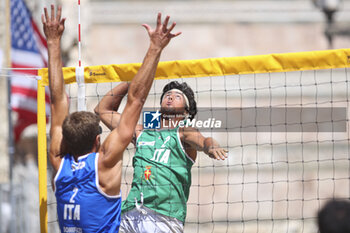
(11, 148)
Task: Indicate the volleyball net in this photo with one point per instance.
(284, 121)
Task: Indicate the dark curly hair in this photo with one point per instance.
(187, 90)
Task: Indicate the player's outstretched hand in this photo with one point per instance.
(214, 150)
(217, 153)
(54, 25)
(161, 35)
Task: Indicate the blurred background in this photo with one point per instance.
(112, 34)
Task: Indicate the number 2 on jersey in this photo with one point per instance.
(75, 191)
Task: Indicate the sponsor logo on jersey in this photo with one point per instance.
(142, 143)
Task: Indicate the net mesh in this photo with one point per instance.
(275, 178)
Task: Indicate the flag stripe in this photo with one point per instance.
(29, 50)
(32, 72)
(27, 58)
(28, 92)
(37, 31)
(18, 79)
(27, 114)
(42, 44)
(20, 101)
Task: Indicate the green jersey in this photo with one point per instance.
(162, 172)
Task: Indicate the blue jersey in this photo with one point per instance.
(81, 205)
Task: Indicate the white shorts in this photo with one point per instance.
(145, 220)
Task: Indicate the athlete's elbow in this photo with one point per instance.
(138, 92)
(100, 109)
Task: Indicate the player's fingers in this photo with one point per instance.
(170, 29)
(216, 155)
(42, 19)
(59, 12)
(148, 28)
(223, 155)
(219, 156)
(175, 35)
(159, 19)
(63, 21)
(165, 24)
(52, 12)
(46, 14)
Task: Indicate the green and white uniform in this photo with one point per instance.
(162, 174)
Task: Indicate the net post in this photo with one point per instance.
(42, 156)
(79, 74)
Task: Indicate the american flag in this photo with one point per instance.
(28, 50)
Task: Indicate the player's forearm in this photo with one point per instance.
(107, 108)
(55, 71)
(142, 82)
(111, 101)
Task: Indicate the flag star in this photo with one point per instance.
(26, 35)
(26, 22)
(15, 12)
(155, 115)
(22, 28)
(16, 34)
(18, 20)
(29, 45)
(20, 43)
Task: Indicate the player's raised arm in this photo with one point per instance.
(53, 29)
(107, 108)
(208, 145)
(113, 147)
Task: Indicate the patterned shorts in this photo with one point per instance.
(145, 220)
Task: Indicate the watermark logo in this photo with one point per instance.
(151, 119)
(210, 123)
(251, 119)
